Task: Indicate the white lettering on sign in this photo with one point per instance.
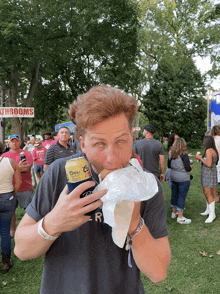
(16, 111)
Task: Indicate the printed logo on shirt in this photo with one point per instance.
(97, 217)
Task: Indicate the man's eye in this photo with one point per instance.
(121, 142)
(99, 144)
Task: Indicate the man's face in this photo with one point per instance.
(46, 137)
(15, 145)
(63, 134)
(108, 144)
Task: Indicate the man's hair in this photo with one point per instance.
(100, 103)
(54, 133)
(63, 127)
(178, 148)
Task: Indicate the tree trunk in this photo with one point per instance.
(19, 126)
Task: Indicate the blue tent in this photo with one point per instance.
(70, 125)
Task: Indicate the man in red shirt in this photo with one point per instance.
(48, 141)
(25, 193)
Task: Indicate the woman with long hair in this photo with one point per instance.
(215, 133)
(209, 182)
(179, 163)
(172, 137)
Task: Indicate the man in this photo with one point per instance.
(82, 257)
(59, 150)
(25, 193)
(48, 141)
(151, 152)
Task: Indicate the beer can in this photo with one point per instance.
(78, 172)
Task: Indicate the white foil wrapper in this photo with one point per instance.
(125, 186)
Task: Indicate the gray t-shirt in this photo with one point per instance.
(86, 260)
(149, 150)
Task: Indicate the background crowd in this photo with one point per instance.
(19, 176)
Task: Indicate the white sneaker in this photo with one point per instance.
(174, 215)
(183, 221)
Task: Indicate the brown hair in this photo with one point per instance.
(178, 148)
(215, 131)
(1, 148)
(209, 142)
(99, 103)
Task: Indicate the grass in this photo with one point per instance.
(188, 272)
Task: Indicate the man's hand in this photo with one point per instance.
(22, 162)
(161, 177)
(69, 211)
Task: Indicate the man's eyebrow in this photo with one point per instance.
(94, 137)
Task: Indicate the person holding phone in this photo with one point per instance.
(25, 193)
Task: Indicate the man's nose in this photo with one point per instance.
(112, 156)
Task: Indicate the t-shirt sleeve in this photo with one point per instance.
(186, 162)
(48, 190)
(49, 157)
(154, 213)
(161, 150)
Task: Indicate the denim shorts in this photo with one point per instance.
(38, 168)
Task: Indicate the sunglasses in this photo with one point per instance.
(14, 136)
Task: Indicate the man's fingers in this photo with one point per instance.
(93, 197)
(65, 191)
(81, 188)
(92, 206)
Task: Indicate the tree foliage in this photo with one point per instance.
(65, 47)
(175, 101)
(173, 33)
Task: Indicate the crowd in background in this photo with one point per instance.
(22, 163)
(149, 152)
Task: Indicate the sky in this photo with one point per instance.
(203, 64)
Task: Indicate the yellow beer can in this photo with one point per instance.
(77, 170)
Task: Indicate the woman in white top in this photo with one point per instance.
(215, 133)
(10, 182)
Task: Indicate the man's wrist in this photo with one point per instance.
(49, 228)
(134, 226)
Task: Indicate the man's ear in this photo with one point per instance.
(82, 144)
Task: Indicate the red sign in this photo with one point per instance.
(16, 112)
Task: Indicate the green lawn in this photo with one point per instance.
(188, 272)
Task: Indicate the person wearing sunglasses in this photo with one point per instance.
(25, 193)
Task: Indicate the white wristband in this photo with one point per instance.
(43, 233)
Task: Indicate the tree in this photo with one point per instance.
(175, 101)
(172, 33)
(174, 28)
(71, 44)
